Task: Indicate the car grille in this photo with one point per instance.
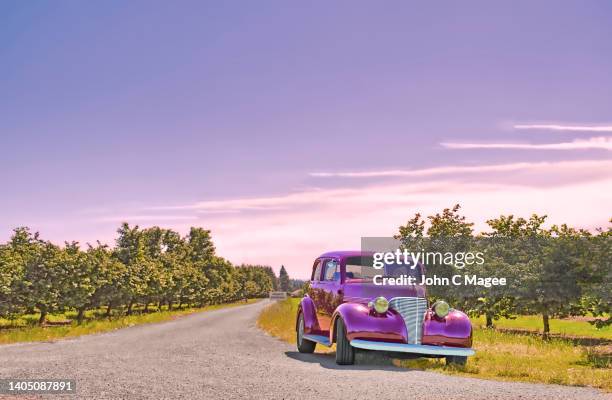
(412, 310)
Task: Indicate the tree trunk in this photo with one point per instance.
(489, 320)
(159, 305)
(180, 304)
(43, 317)
(170, 305)
(80, 315)
(146, 308)
(108, 310)
(129, 309)
(546, 326)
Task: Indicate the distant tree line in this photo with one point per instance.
(555, 272)
(296, 284)
(152, 266)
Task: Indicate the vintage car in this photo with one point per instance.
(343, 305)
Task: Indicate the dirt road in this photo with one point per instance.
(222, 355)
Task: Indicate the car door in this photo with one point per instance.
(315, 289)
(330, 292)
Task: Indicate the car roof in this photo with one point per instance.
(346, 253)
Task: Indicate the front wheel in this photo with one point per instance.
(456, 360)
(345, 353)
(303, 345)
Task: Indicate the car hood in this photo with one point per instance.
(364, 291)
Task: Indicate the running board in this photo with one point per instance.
(319, 339)
(412, 348)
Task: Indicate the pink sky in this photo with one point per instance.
(295, 227)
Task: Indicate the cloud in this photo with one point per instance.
(603, 143)
(146, 218)
(293, 228)
(558, 127)
(424, 172)
(338, 220)
(231, 206)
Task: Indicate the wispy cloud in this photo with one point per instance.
(603, 143)
(561, 127)
(293, 228)
(275, 203)
(376, 194)
(424, 172)
(145, 218)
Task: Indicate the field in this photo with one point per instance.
(499, 355)
(25, 328)
(564, 327)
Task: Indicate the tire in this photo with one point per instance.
(456, 360)
(303, 345)
(345, 353)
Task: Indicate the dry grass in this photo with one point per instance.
(278, 319)
(509, 357)
(499, 355)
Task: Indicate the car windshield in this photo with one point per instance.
(361, 267)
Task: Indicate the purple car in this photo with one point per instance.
(344, 305)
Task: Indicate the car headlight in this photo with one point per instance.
(441, 308)
(380, 305)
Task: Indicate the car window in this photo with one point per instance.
(332, 270)
(362, 268)
(354, 271)
(316, 271)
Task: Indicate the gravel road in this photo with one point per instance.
(222, 355)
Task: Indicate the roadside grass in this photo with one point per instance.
(499, 355)
(25, 329)
(533, 323)
(511, 357)
(278, 320)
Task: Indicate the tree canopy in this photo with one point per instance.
(555, 272)
(146, 266)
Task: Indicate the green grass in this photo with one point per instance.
(511, 357)
(557, 326)
(499, 355)
(24, 328)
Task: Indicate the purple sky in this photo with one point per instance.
(290, 129)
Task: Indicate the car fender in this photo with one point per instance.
(453, 330)
(362, 323)
(308, 309)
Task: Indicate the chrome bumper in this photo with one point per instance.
(412, 348)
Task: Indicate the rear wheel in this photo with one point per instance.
(456, 360)
(303, 345)
(345, 353)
